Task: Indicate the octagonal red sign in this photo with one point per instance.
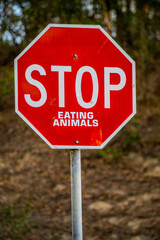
(75, 86)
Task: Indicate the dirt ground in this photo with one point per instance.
(121, 184)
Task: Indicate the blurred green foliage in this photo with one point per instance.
(6, 79)
(131, 136)
(134, 24)
(110, 152)
(14, 221)
(6, 86)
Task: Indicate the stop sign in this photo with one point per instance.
(75, 86)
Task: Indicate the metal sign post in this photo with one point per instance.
(76, 194)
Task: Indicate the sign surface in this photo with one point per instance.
(75, 86)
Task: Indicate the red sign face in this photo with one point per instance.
(75, 86)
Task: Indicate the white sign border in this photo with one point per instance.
(133, 86)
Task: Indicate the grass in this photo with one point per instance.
(131, 136)
(113, 153)
(14, 221)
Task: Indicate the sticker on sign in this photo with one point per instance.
(75, 86)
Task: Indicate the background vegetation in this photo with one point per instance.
(134, 24)
(29, 210)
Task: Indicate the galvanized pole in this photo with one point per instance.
(76, 194)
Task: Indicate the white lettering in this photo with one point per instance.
(83, 123)
(90, 115)
(110, 87)
(82, 115)
(72, 113)
(61, 70)
(56, 123)
(63, 122)
(74, 122)
(80, 73)
(60, 114)
(95, 123)
(66, 115)
(88, 124)
(41, 88)
(75, 119)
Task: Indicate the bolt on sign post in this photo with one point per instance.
(75, 87)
